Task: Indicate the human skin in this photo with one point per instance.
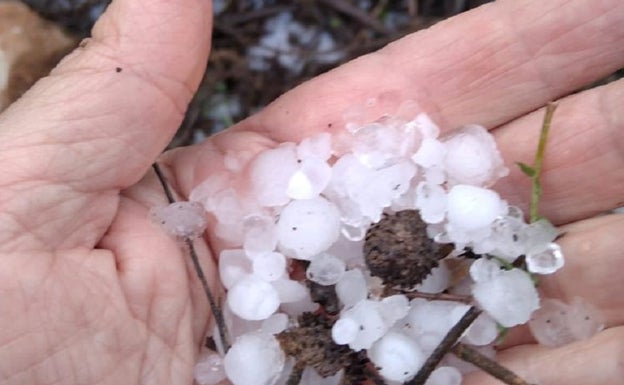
(92, 293)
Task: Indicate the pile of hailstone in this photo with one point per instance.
(310, 204)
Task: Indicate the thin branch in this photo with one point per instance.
(536, 190)
(445, 346)
(491, 367)
(216, 310)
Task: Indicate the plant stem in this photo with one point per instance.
(486, 364)
(445, 346)
(216, 310)
(536, 190)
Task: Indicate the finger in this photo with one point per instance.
(594, 261)
(582, 160)
(597, 361)
(486, 66)
(99, 120)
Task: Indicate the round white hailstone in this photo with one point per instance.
(435, 316)
(181, 219)
(260, 234)
(509, 297)
(311, 377)
(483, 331)
(270, 173)
(437, 281)
(269, 266)
(310, 179)
(254, 359)
(290, 291)
(539, 235)
(351, 288)
(431, 202)
(397, 356)
(253, 299)
(472, 157)
(484, 269)
(318, 146)
(393, 308)
(233, 266)
(371, 325)
(547, 261)
(556, 323)
(209, 369)
(445, 375)
(308, 227)
(472, 208)
(507, 240)
(275, 324)
(326, 269)
(431, 153)
(345, 330)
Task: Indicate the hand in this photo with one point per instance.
(92, 292)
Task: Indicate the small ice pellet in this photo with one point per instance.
(472, 157)
(484, 269)
(345, 330)
(585, 319)
(430, 154)
(270, 173)
(546, 261)
(509, 297)
(397, 356)
(209, 369)
(310, 179)
(431, 201)
(275, 324)
(269, 266)
(351, 288)
(181, 219)
(471, 208)
(290, 291)
(371, 324)
(254, 359)
(233, 266)
(393, 308)
(308, 227)
(483, 331)
(260, 234)
(253, 299)
(445, 375)
(437, 281)
(325, 269)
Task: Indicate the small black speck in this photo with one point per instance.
(515, 237)
(329, 125)
(547, 321)
(405, 373)
(562, 312)
(118, 69)
(163, 222)
(361, 327)
(294, 228)
(298, 160)
(586, 318)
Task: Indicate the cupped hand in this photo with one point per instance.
(92, 292)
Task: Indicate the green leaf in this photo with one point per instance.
(526, 169)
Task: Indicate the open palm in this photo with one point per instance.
(91, 292)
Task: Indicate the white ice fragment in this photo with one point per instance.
(435, 317)
(472, 157)
(295, 309)
(437, 281)
(430, 154)
(371, 324)
(270, 173)
(350, 251)
(345, 330)
(351, 288)
(546, 261)
(209, 369)
(483, 331)
(318, 146)
(393, 308)
(507, 239)
(290, 291)
(269, 266)
(473, 208)
(260, 234)
(556, 323)
(325, 269)
(311, 377)
(308, 227)
(397, 356)
(426, 126)
(444, 375)
(275, 324)
(509, 297)
(539, 235)
(254, 359)
(431, 202)
(310, 179)
(484, 269)
(181, 219)
(253, 299)
(233, 266)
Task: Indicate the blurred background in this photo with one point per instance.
(261, 48)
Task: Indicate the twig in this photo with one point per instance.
(295, 375)
(445, 346)
(491, 367)
(216, 310)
